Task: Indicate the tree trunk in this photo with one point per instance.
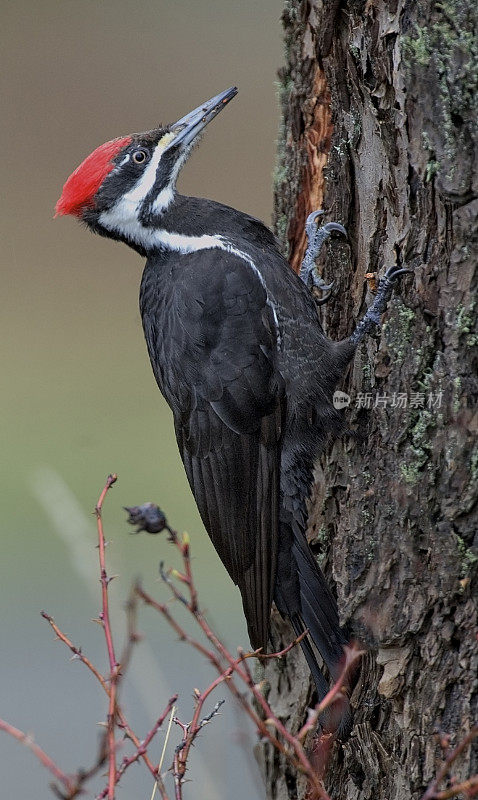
(378, 129)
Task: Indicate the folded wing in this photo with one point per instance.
(220, 378)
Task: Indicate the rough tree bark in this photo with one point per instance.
(378, 118)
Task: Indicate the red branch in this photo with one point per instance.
(231, 670)
(78, 654)
(352, 655)
(70, 785)
(122, 721)
(105, 618)
(289, 745)
(110, 684)
(468, 787)
(142, 747)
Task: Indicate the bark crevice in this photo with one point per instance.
(378, 128)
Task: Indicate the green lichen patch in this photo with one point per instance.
(418, 454)
(410, 473)
(467, 556)
(440, 52)
(465, 324)
(474, 465)
(399, 335)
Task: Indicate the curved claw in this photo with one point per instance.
(383, 295)
(394, 272)
(311, 230)
(335, 226)
(326, 287)
(316, 237)
(313, 216)
(323, 300)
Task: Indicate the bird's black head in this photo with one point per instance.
(122, 188)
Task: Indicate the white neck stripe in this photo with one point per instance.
(150, 238)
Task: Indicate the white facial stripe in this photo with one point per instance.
(185, 244)
(123, 161)
(165, 197)
(144, 185)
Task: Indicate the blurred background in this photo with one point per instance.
(79, 399)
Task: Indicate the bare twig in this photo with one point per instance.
(105, 618)
(69, 783)
(288, 744)
(115, 666)
(122, 721)
(469, 787)
(78, 654)
(142, 748)
(190, 732)
(352, 655)
(231, 671)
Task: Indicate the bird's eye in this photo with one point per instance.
(140, 156)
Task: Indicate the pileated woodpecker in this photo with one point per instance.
(238, 352)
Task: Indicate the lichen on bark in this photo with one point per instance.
(378, 127)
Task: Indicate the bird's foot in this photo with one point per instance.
(316, 238)
(384, 293)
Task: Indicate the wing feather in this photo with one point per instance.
(217, 347)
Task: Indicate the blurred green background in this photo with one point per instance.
(79, 399)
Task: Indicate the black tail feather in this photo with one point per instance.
(318, 607)
(303, 595)
(320, 683)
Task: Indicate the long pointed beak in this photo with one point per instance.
(192, 124)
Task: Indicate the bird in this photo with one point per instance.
(238, 352)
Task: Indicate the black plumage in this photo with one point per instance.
(238, 352)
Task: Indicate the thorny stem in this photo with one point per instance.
(469, 788)
(76, 651)
(294, 750)
(352, 654)
(105, 618)
(294, 744)
(153, 770)
(210, 655)
(433, 793)
(237, 667)
(70, 786)
(113, 709)
(142, 746)
(192, 730)
(122, 721)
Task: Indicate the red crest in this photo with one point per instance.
(85, 181)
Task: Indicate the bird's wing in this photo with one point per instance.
(222, 385)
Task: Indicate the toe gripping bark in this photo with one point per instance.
(316, 238)
(308, 273)
(373, 314)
